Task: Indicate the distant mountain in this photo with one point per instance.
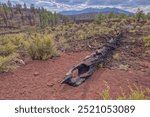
(95, 10)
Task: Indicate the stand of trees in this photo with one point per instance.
(139, 16)
(20, 15)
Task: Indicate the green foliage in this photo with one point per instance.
(32, 7)
(140, 15)
(135, 93)
(106, 92)
(41, 47)
(123, 16)
(50, 19)
(5, 62)
(25, 6)
(100, 18)
(148, 15)
(20, 16)
(38, 46)
(7, 49)
(10, 44)
(81, 35)
(111, 15)
(147, 41)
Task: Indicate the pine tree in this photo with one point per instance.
(32, 8)
(140, 15)
(100, 18)
(9, 4)
(25, 6)
(148, 15)
(10, 8)
(18, 8)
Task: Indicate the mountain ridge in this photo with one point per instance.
(94, 10)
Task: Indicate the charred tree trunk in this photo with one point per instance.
(87, 67)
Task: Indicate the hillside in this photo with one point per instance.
(95, 10)
(21, 17)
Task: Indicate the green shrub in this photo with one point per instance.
(100, 18)
(135, 93)
(41, 47)
(81, 35)
(140, 15)
(10, 44)
(106, 92)
(147, 41)
(38, 46)
(7, 49)
(6, 62)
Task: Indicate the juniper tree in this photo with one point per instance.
(140, 15)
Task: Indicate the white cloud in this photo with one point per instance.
(59, 5)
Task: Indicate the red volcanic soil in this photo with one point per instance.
(41, 80)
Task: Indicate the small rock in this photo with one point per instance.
(50, 84)
(130, 72)
(143, 70)
(20, 61)
(123, 67)
(36, 73)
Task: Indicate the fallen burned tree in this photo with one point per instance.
(87, 67)
(15, 32)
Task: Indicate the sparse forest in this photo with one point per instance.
(22, 17)
(35, 44)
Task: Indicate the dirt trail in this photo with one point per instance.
(41, 80)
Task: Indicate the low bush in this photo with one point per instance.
(135, 93)
(7, 49)
(6, 63)
(147, 41)
(38, 46)
(41, 46)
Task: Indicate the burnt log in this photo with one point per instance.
(15, 32)
(88, 65)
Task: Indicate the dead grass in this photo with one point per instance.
(135, 93)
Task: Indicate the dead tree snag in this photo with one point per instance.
(87, 67)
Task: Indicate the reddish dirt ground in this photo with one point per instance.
(41, 80)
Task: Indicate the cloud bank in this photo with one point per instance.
(60, 5)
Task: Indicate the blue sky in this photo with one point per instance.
(59, 5)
